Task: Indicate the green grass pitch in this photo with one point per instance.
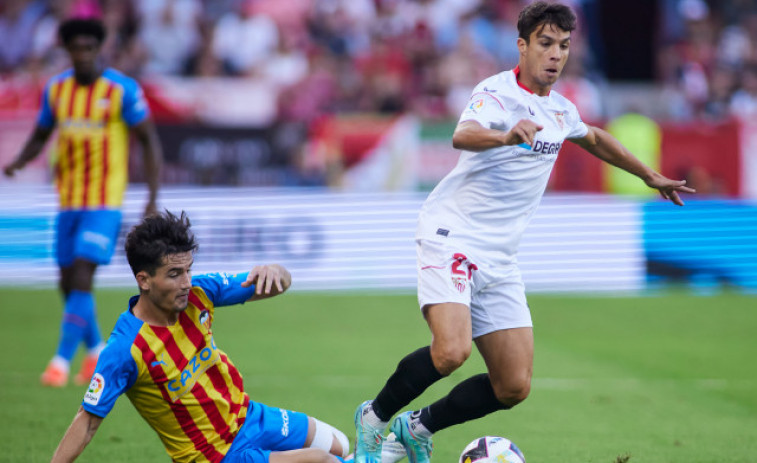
(667, 378)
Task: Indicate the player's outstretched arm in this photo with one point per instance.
(153, 160)
(78, 435)
(31, 150)
(607, 148)
(269, 280)
(472, 136)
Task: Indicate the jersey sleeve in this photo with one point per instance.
(114, 374)
(135, 109)
(484, 108)
(46, 118)
(224, 289)
(577, 127)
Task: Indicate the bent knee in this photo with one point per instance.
(450, 358)
(512, 393)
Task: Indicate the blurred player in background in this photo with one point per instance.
(163, 356)
(93, 109)
(469, 284)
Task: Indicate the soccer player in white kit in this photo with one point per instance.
(469, 284)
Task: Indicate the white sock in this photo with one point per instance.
(418, 427)
(370, 417)
(61, 363)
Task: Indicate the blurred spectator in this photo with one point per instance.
(289, 64)
(18, 20)
(507, 32)
(287, 14)
(722, 85)
(385, 72)
(309, 99)
(204, 63)
(734, 46)
(388, 55)
(460, 70)
(46, 55)
(244, 39)
(439, 17)
(169, 33)
(743, 104)
(122, 49)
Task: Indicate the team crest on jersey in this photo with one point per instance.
(476, 105)
(205, 319)
(459, 283)
(559, 117)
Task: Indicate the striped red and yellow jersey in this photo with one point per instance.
(182, 384)
(90, 157)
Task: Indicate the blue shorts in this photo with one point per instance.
(267, 429)
(88, 235)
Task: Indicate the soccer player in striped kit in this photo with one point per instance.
(469, 285)
(163, 356)
(93, 109)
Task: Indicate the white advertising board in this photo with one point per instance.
(336, 241)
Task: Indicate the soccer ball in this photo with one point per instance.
(491, 449)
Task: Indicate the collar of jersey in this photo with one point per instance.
(516, 71)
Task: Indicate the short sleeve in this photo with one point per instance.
(114, 374)
(577, 127)
(135, 108)
(224, 289)
(486, 109)
(46, 118)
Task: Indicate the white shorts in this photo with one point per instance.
(496, 296)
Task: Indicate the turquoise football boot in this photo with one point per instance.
(418, 448)
(369, 439)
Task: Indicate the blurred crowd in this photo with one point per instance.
(708, 56)
(387, 56)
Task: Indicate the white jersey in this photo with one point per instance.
(485, 203)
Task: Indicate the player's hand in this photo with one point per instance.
(668, 188)
(523, 132)
(268, 279)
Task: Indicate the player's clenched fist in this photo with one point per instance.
(523, 132)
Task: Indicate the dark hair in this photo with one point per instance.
(542, 14)
(81, 26)
(155, 237)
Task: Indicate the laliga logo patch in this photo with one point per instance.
(476, 105)
(95, 390)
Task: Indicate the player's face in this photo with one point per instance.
(544, 56)
(83, 50)
(168, 289)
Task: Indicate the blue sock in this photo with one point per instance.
(92, 336)
(77, 316)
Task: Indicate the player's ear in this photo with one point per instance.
(522, 45)
(143, 280)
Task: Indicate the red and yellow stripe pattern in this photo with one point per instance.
(91, 156)
(187, 389)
